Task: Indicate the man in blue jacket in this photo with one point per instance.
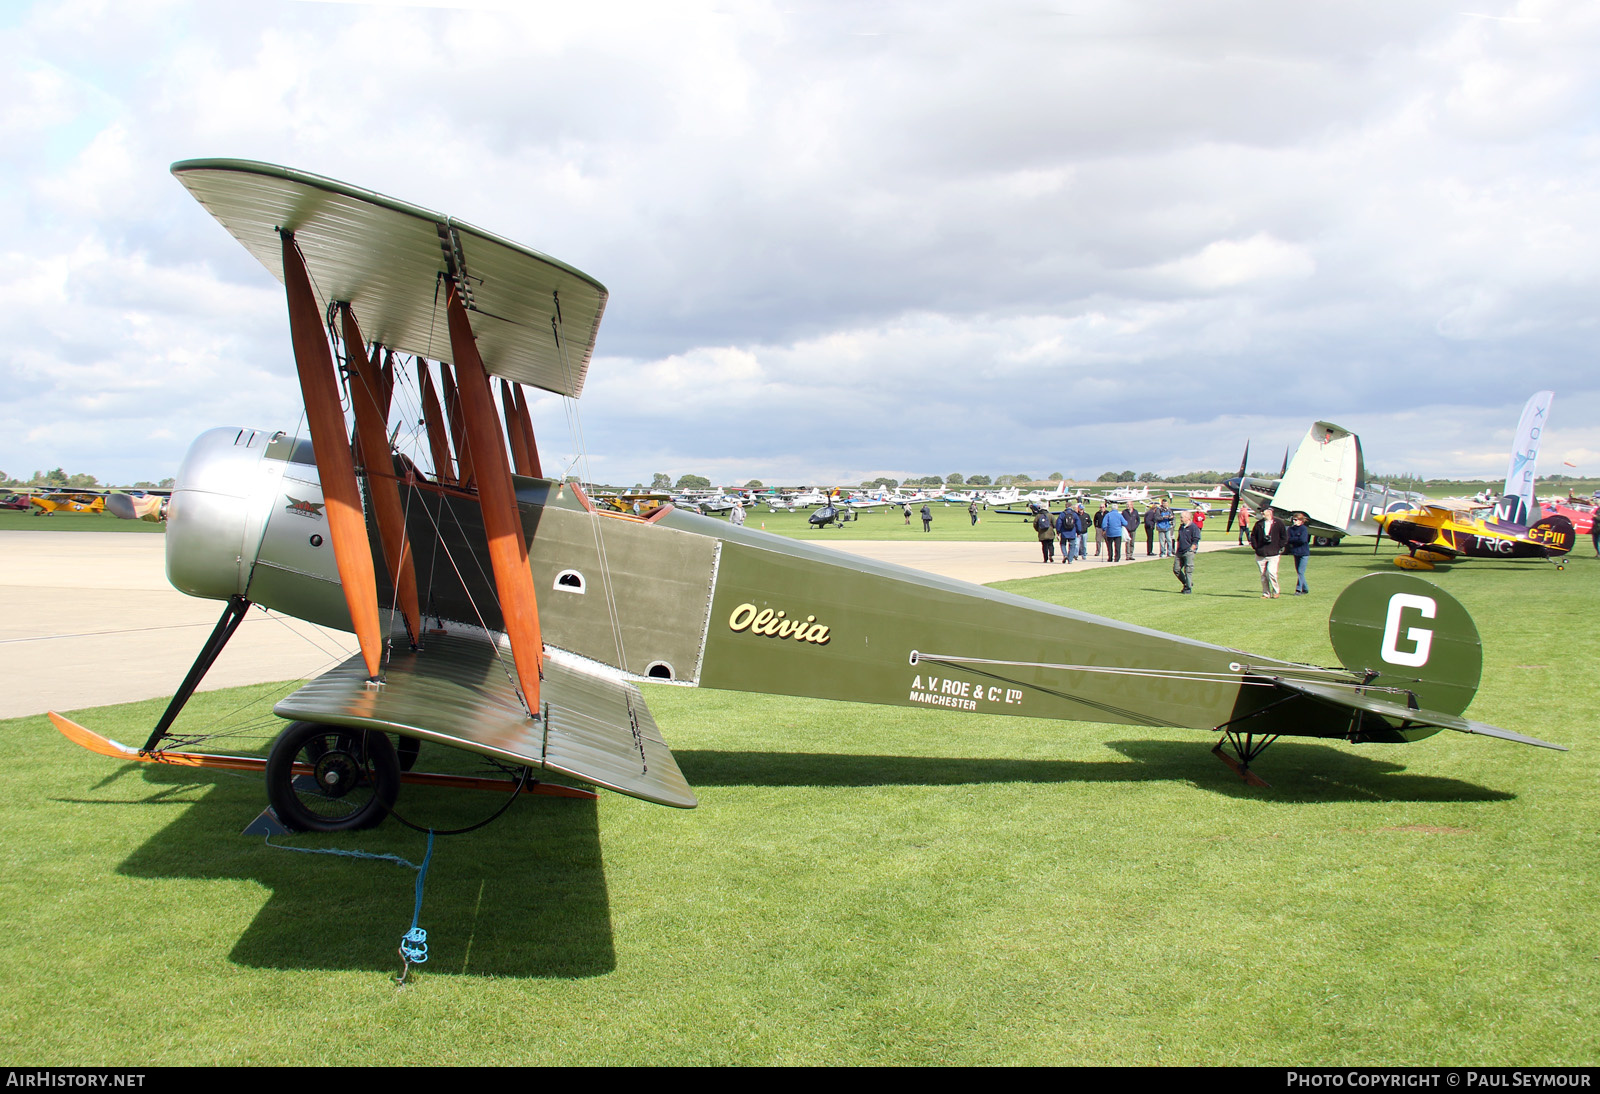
(1111, 524)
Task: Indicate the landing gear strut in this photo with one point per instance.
(1246, 747)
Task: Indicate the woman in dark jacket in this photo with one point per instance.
(1046, 529)
(1300, 548)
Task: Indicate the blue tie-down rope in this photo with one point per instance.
(414, 943)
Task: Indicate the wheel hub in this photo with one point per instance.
(337, 773)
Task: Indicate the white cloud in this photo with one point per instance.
(1228, 263)
(980, 236)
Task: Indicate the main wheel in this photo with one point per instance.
(347, 778)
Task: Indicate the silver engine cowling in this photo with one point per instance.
(246, 517)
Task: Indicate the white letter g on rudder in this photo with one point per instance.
(1422, 637)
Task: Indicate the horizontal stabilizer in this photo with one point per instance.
(594, 724)
(1383, 705)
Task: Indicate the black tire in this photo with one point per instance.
(354, 781)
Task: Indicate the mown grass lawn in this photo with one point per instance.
(17, 520)
(867, 885)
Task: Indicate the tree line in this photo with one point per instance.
(58, 479)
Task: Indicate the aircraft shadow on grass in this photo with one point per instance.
(1299, 772)
(527, 896)
(524, 897)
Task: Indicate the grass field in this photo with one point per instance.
(867, 885)
(13, 520)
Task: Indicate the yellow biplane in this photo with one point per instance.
(1440, 533)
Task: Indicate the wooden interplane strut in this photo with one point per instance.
(388, 382)
(526, 425)
(458, 433)
(519, 442)
(433, 418)
(347, 527)
(502, 521)
(367, 397)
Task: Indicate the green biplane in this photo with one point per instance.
(503, 612)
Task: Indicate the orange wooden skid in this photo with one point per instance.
(104, 746)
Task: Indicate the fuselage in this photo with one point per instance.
(1462, 533)
(692, 599)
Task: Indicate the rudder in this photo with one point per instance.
(1410, 634)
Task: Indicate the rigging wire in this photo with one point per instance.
(1189, 675)
(575, 426)
(444, 547)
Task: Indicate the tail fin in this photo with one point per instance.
(1321, 479)
(1409, 636)
(1555, 532)
(1511, 509)
(1408, 633)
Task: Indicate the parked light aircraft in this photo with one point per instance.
(1060, 494)
(140, 505)
(880, 500)
(1324, 480)
(1439, 533)
(1327, 481)
(520, 617)
(69, 501)
(1124, 494)
(788, 503)
(638, 502)
(1580, 511)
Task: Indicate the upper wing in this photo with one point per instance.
(594, 724)
(385, 258)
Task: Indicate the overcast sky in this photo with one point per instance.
(845, 240)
